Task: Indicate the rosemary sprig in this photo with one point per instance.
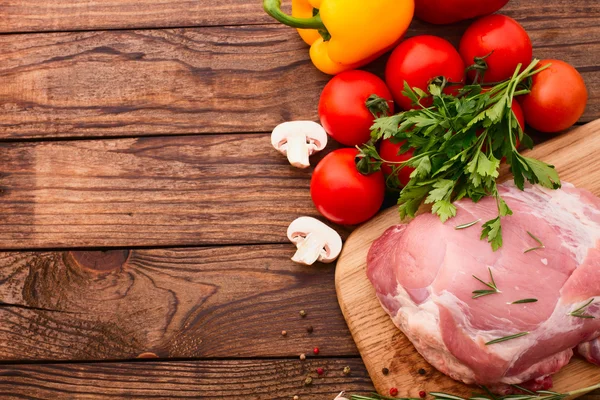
(580, 312)
(523, 301)
(521, 388)
(467, 225)
(505, 338)
(539, 242)
(485, 292)
(529, 395)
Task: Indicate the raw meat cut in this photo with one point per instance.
(591, 351)
(423, 273)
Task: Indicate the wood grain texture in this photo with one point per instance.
(165, 191)
(381, 344)
(74, 15)
(222, 79)
(218, 79)
(239, 379)
(175, 303)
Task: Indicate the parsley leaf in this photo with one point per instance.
(458, 143)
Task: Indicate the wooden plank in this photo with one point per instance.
(164, 191)
(220, 79)
(175, 303)
(224, 79)
(74, 15)
(223, 379)
(247, 379)
(381, 343)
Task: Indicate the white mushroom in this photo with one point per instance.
(314, 240)
(298, 140)
(340, 396)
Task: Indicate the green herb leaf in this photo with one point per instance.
(525, 301)
(505, 338)
(467, 225)
(492, 232)
(581, 311)
(458, 143)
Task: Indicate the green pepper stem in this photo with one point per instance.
(273, 8)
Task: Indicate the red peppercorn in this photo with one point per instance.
(316, 351)
(320, 371)
(393, 392)
(422, 394)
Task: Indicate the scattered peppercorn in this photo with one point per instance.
(283, 333)
(422, 371)
(385, 371)
(308, 381)
(302, 356)
(320, 371)
(302, 313)
(422, 394)
(316, 351)
(347, 370)
(309, 329)
(393, 391)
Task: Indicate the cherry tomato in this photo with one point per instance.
(557, 99)
(518, 111)
(501, 36)
(417, 61)
(342, 108)
(450, 11)
(341, 193)
(389, 151)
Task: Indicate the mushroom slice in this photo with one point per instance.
(298, 140)
(314, 240)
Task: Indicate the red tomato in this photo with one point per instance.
(417, 61)
(518, 111)
(342, 108)
(341, 193)
(389, 151)
(501, 36)
(557, 99)
(450, 11)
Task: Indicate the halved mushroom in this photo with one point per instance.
(298, 140)
(314, 240)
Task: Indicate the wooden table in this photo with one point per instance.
(143, 210)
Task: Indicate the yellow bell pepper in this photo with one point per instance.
(346, 34)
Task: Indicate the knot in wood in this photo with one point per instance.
(101, 261)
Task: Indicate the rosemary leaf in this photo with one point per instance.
(439, 395)
(580, 312)
(467, 225)
(521, 388)
(505, 338)
(523, 301)
(480, 293)
(536, 239)
(491, 285)
(534, 249)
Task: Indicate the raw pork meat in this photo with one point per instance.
(423, 273)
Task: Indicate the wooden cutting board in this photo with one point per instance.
(576, 155)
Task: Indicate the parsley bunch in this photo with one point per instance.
(458, 144)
